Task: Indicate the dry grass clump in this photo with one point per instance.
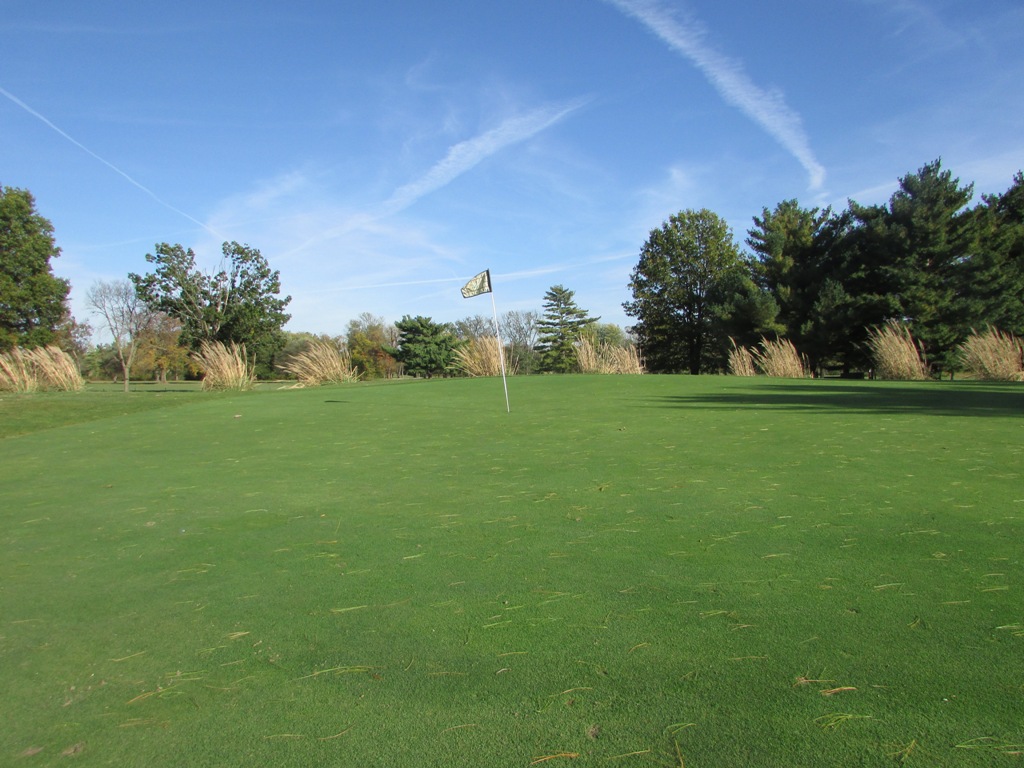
(321, 363)
(780, 359)
(225, 367)
(994, 356)
(607, 358)
(741, 362)
(482, 357)
(896, 355)
(42, 368)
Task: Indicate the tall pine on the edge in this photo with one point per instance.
(558, 330)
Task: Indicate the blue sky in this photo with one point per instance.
(381, 154)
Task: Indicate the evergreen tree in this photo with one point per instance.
(907, 262)
(792, 247)
(994, 288)
(425, 348)
(558, 330)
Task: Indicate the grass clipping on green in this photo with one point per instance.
(39, 369)
(225, 366)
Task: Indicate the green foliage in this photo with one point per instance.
(559, 328)
(32, 299)
(792, 247)
(239, 304)
(425, 348)
(994, 290)
(401, 574)
(692, 290)
(925, 260)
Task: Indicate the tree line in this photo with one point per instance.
(927, 259)
(823, 279)
(157, 319)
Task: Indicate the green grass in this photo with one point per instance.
(638, 571)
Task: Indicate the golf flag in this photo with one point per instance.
(482, 284)
(479, 284)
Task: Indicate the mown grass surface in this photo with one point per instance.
(624, 571)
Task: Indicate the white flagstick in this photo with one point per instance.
(501, 351)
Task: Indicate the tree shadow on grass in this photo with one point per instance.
(931, 398)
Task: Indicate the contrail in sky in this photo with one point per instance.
(460, 158)
(767, 108)
(107, 163)
(466, 154)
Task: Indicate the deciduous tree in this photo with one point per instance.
(681, 288)
(32, 300)
(368, 339)
(240, 303)
(126, 317)
(519, 333)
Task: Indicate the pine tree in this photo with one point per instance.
(559, 328)
(425, 348)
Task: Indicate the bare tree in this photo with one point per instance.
(474, 327)
(519, 333)
(124, 315)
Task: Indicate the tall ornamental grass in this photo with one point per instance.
(601, 357)
(993, 356)
(482, 357)
(225, 367)
(42, 368)
(896, 356)
(321, 363)
(741, 362)
(779, 359)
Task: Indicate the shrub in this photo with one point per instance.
(481, 357)
(895, 354)
(42, 368)
(321, 363)
(225, 367)
(593, 357)
(780, 359)
(741, 362)
(993, 356)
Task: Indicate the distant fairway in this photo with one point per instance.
(624, 571)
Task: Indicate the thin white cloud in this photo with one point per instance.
(467, 154)
(459, 159)
(107, 163)
(767, 108)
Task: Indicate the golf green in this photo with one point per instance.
(622, 571)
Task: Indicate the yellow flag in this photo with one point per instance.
(479, 284)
